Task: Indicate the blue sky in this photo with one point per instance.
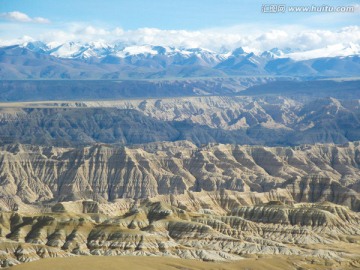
(94, 19)
(171, 14)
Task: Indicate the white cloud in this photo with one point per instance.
(214, 39)
(40, 20)
(21, 40)
(18, 16)
(254, 37)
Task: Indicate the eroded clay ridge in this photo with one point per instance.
(192, 226)
(104, 173)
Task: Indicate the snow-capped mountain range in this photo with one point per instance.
(102, 49)
(99, 60)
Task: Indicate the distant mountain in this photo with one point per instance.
(39, 90)
(75, 50)
(122, 50)
(244, 63)
(98, 60)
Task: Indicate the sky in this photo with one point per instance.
(204, 23)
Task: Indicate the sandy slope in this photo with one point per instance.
(151, 263)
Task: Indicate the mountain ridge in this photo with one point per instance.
(31, 62)
(223, 119)
(100, 49)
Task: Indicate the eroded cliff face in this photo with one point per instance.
(33, 174)
(216, 202)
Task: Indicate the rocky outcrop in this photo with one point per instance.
(320, 189)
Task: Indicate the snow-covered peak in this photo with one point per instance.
(68, 50)
(99, 44)
(336, 50)
(239, 51)
(273, 53)
(36, 46)
(243, 51)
